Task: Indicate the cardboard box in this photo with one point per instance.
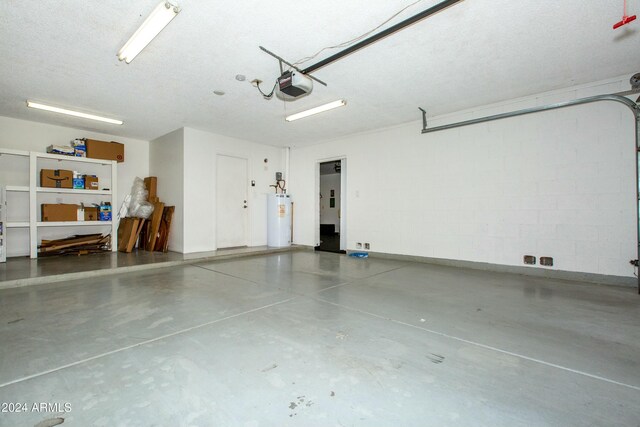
(58, 178)
(105, 150)
(151, 184)
(91, 182)
(59, 212)
(91, 213)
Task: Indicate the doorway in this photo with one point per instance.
(332, 221)
(231, 201)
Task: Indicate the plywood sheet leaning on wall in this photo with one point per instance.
(154, 226)
(128, 232)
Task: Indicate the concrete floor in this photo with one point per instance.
(320, 339)
(20, 271)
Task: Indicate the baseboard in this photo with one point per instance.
(513, 269)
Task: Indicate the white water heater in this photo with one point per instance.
(279, 220)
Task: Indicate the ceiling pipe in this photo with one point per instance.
(635, 109)
(382, 34)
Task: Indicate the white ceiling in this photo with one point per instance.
(474, 53)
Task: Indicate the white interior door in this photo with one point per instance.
(231, 201)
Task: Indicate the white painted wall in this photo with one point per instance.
(199, 170)
(166, 162)
(201, 149)
(33, 136)
(329, 215)
(185, 163)
(557, 184)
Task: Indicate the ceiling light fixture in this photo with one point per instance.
(320, 109)
(39, 106)
(150, 28)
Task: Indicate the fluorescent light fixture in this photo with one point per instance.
(320, 109)
(159, 18)
(39, 106)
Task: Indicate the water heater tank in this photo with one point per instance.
(279, 220)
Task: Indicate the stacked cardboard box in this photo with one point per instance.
(59, 212)
(56, 178)
(105, 150)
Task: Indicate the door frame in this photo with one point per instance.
(247, 222)
(343, 199)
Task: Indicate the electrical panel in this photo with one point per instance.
(3, 224)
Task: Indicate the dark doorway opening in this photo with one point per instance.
(330, 206)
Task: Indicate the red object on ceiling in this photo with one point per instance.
(625, 19)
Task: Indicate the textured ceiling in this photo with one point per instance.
(474, 53)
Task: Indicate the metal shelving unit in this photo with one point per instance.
(18, 188)
(37, 161)
(73, 223)
(17, 224)
(34, 191)
(7, 194)
(72, 191)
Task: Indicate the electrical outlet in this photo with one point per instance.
(529, 259)
(546, 261)
(358, 245)
(367, 246)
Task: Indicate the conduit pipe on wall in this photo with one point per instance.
(635, 109)
(287, 161)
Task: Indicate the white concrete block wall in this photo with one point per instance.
(557, 184)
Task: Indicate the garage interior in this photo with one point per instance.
(453, 240)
